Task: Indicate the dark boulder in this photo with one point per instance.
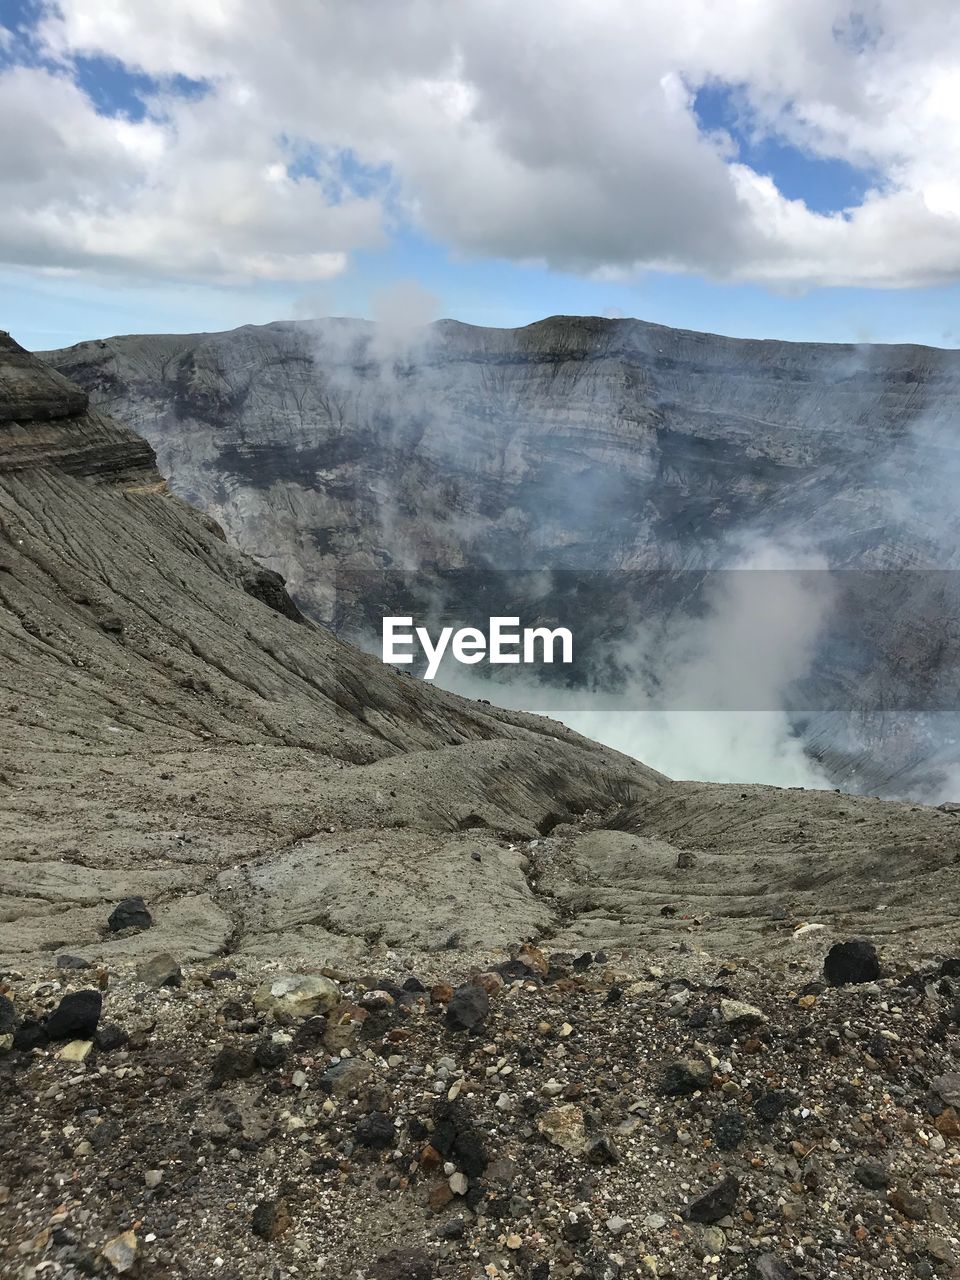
(131, 913)
(376, 1130)
(75, 1017)
(270, 1219)
(851, 962)
(467, 1008)
(404, 1264)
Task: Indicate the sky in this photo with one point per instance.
(762, 168)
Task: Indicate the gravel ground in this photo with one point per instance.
(548, 1115)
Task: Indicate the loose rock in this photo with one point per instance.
(872, 1174)
(736, 1013)
(75, 1017)
(716, 1203)
(162, 971)
(769, 1267)
(947, 1089)
(270, 1219)
(299, 995)
(467, 1008)
(76, 1051)
(851, 962)
(685, 1076)
(122, 1252)
(131, 913)
(564, 1127)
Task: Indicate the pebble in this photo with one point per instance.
(76, 1051)
(941, 1251)
(564, 1126)
(947, 1089)
(685, 1076)
(710, 1242)
(769, 1267)
(905, 1202)
(736, 1013)
(872, 1174)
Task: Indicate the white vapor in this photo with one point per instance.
(709, 674)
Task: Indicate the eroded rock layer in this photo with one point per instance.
(333, 448)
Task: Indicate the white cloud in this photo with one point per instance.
(547, 131)
(196, 192)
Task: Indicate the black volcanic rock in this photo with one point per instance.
(685, 1076)
(131, 913)
(716, 1203)
(75, 1017)
(851, 962)
(468, 1008)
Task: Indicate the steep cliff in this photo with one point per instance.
(575, 442)
(334, 448)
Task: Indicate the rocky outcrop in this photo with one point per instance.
(32, 393)
(168, 718)
(574, 442)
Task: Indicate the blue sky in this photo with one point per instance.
(62, 282)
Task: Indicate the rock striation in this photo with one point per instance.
(166, 724)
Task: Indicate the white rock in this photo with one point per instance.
(735, 1011)
(300, 995)
(76, 1051)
